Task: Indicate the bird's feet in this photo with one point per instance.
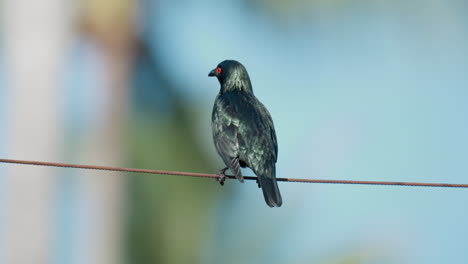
(221, 176)
(258, 183)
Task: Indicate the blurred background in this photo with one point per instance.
(358, 90)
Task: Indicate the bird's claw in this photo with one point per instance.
(221, 176)
(258, 183)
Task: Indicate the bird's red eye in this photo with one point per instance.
(218, 70)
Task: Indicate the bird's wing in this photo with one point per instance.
(257, 135)
(271, 132)
(225, 125)
(259, 147)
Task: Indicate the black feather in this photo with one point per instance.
(243, 130)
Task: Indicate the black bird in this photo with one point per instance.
(243, 130)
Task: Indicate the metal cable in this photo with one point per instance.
(208, 175)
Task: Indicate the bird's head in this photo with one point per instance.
(232, 76)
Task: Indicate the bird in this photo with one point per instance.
(243, 130)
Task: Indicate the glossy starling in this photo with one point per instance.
(243, 130)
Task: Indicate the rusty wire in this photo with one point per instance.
(209, 175)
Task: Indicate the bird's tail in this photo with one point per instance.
(270, 189)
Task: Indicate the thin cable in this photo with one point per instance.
(208, 175)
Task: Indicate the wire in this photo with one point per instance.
(215, 176)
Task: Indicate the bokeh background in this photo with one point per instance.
(358, 90)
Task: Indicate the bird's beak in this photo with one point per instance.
(212, 73)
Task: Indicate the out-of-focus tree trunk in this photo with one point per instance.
(109, 24)
(36, 39)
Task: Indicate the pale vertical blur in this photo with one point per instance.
(37, 35)
(109, 26)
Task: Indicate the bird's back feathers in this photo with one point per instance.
(243, 129)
